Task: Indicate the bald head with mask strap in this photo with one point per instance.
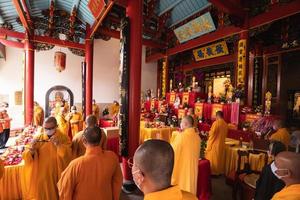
(154, 161)
(287, 167)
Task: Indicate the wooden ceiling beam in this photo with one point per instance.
(116, 34)
(275, 13)
(229, 8)
(13, 44)
(4, 33)
(21, 14)
(278, 11)
(122, 3)
(99, 20)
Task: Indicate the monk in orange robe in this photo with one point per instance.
(75, 120)
(63, 125)
(78, 148)
(115, 108)
(1, 168)
(186, 146)
(152, 170)
(281, 134)
(286, 167)
(96, 175)
(48, 155)
(5, 125)
(96, 109)
(215, 150)
(38, 117)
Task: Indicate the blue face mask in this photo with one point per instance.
(275, 170)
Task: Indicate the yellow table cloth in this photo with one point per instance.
(15, 183)
(257, 161)
(156, 133)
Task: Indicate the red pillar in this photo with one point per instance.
(245, 36)
(134, 12)
(88, 76)
(29, 81)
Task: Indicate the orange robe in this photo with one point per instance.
(291, 192)
(282, 135)
(96, 175)
(62, 123)
(38, 118)
(171, 193)
(115, 109)
(96, 111)
(76, 122)
(6, 124)
(1, 168)
(78, 148)
(186, 147)
(215, 150)
(46, 165)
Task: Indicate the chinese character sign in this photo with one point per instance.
(211, 51)
(185, 97)
(164, 78)
(96, 7)
(199, 109)
(197, 27)
(241, 68)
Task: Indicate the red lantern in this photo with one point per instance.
(60, 61)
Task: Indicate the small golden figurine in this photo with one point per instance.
(229, 94)
(268, 103)
(209, 94)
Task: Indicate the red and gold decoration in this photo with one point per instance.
(164, 78)
(60, 61)
(172, 97)
(241, 68)
(185, 98)
(181, 113)
(211, 51)
(199, 109)
(215, 109)
(96, 7)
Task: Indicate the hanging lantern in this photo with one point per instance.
(60, 61)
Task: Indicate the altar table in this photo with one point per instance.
(156, 133)
(105, 123)
(204, 180)
(256, 161)
(15, 184)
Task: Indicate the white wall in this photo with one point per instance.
(106, 74)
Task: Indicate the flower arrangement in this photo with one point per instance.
(239, 92)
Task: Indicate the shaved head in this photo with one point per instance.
(155, 158)
(187, 122)
(92, 135)
(290, 161)
(91, 121)
(50, 120)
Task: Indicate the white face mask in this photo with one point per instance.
(275, 169)
(50, 132)
(73, 111)
(137, 183)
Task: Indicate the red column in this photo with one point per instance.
(29, 81)
(88, 76)
(245, 36)
(134, 12)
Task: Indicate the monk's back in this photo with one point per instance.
(94, 175)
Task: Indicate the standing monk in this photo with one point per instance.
(5, 120)
(62, 123)
(152, 170)
(96, 110)
(96, 175)
(38, 118)
(216, 144)
(286, 167)
(281, 134)
(49, 154)
(186, 146)
(78, 148)
(115, 108)
(1, 168)
(75, 119)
